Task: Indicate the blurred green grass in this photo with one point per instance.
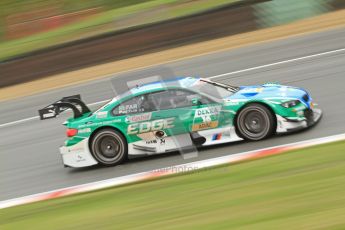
(297, 190)
(121, 17)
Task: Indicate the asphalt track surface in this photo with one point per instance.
(29, 158)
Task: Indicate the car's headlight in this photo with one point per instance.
(290, 104)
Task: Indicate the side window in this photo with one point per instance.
(138, 104)
(162, 100)
(172, 99)
(184, 98)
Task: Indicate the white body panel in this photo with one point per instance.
(78, 155)
(220, 135)
(151, 145)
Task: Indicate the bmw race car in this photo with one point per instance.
(166, 116)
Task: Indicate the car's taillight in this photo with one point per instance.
(71, 132)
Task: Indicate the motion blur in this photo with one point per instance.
(245, 71)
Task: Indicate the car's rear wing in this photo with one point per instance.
(72, 102)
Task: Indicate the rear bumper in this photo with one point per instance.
(77, 155)
(286, 125)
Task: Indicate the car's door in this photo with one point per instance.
(193, 114)
(173, 107)
(212, 119)
(156, 122)
(213, 122)
(135, 118)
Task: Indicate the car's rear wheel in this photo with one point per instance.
(109, 147)
(255, 122)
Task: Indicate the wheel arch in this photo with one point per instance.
(251, 103)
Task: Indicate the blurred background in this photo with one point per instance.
(67, 32)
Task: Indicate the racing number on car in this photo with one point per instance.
(206, 118)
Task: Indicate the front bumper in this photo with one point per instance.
(77, 155)
(311, 117)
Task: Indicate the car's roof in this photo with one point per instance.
(177, 82)
(181, 82)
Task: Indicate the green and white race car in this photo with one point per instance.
(166, 116)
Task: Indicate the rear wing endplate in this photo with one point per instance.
(72, 102)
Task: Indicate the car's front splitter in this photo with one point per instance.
(286, 125)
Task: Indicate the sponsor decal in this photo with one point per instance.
(124, 109)
(207, 111)
(216, 136)
(75, 149)
(272, 84)
(103, 114)
(80, 158)
(252, 90)
(206, 118)
(149, 126)
(139, 118)
(83, 126)
(151, 142)
(205, 125)
(259, 90)
(50, 114)
(162, 141)
(232, 103)
(90, 124)
(86, 130)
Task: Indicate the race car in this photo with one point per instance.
(166, 116)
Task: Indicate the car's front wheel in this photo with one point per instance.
(255, 122)
(109, 147)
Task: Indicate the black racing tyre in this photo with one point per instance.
(109, 147)
(255, 122)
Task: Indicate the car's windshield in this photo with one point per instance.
(214, 89)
